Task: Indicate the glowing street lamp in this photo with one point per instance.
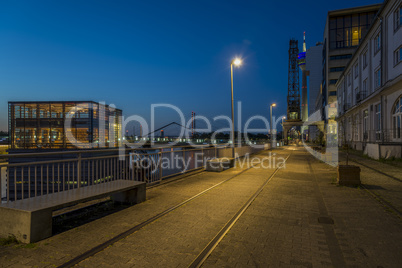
(236, 62)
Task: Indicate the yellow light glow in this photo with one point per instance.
(237, 62)
(273, 104)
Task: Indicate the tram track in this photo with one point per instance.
(376, 170)
(200, 259)
(137, 227)
(383, 202)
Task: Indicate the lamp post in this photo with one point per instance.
(270, 122)
(236, 62)
(283, 130)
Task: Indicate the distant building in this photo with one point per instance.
(41, 125)
(343, 33)
(370, 88)
(314, 68)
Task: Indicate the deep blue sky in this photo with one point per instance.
(136, 53)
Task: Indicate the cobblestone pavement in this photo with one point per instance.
(388, 187)
(288, 224)
(281, 227)
(64, 246)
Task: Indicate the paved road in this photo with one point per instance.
(300, 219)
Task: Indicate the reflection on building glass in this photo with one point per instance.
(347, 31)
(37, 125)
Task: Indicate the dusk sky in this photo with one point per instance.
(137, 53)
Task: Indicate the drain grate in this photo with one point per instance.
(325, 220)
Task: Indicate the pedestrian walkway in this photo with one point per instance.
(300, 219)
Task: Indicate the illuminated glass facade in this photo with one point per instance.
(41, 125)
(348, 30)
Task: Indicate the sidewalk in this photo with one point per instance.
(287, 225)
(281, 228)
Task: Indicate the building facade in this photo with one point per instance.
(314, 68)
(343, 33)
(370, 88)
(42, 125)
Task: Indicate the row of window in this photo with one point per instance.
(396, 130)
(347, 31)
(341, 57)
(336, 69)
(333, 81)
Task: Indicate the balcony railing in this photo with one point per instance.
(380, 136)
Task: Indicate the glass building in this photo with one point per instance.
(348, 30)
(37, 125)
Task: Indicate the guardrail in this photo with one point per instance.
(27, 175)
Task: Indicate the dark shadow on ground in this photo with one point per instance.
(76, 218)
(373, 187)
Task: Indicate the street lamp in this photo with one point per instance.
(236, 62)
(270, 122)
(283, 130)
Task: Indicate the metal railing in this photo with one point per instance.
(29, 175)
(375, 136)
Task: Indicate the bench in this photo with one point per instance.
(219, 164)
(30, 220)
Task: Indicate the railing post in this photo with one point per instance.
(184, 163)
(160, 165)
(202, 154)
(79, 170)
(3, 180)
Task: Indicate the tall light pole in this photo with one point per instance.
(270, 122)
(283, 130)
(236, 62)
